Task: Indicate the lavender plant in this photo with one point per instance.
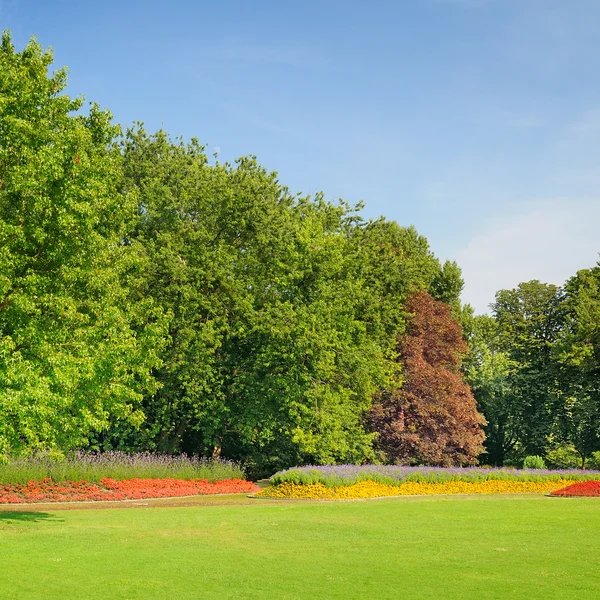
(93, 467)
(340, 475)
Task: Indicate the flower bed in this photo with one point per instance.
(94, 466)
(338, 482)
(346, 475)
(48, 490)
(581, 488)
(373, 489)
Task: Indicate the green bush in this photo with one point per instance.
(534, 462)
(593, 462)
(564, 457)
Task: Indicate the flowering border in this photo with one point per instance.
(48, 490)
(373, 489)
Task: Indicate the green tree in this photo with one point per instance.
(448, 285)
(488, 370)
(530, 320)
(270, 359)
(578, 356)
(75, 350)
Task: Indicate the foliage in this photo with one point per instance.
(594, 462)
(75, 350)
(488, 370)
(432, 418)
(530, 319)
(578, 358)
(564, 457)
(448, 284)
(534, 462)
(284, 309)
(152, 299)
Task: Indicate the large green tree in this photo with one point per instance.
(530, 319)
(75, 349)
(488, 370)
(269, 358)
(578, 357)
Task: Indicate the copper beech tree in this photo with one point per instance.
(432, 418)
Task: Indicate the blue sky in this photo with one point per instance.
(477, 121)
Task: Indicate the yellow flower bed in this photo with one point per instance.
(371, 489)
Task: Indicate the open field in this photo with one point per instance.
(444, 547)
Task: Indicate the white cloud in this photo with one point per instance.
(550, 241)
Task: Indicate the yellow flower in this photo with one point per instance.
(372, 489)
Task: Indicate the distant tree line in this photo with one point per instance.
(534, 367)
(151, 299)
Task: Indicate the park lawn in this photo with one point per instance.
(450, 547)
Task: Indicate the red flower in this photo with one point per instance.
(111, 489)
(581, 488)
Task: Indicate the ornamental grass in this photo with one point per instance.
(581, 488)
(374, 489)
(48, 490)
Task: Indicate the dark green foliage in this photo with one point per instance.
(578, 357)
(153, 300)
(283, 308)
(529, 321)
(534, 369)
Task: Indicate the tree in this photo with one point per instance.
(488, 369)
(269, 358)
(578, 356)
(432, 418)
(448, 285)
(530, 319)
(75, 350)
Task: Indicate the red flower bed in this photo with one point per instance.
(581, 488)
(48, 490)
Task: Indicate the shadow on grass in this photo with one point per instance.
(23, 516)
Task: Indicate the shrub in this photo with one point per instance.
(534, 462)
(594, 462)
(564, 457)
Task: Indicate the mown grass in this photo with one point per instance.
(93, 467)
(495, 547)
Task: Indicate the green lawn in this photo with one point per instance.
(445, 548)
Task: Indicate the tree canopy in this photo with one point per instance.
(152, 298)
(432, 417)
(75, 351)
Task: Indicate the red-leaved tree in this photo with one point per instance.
(432, 418)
